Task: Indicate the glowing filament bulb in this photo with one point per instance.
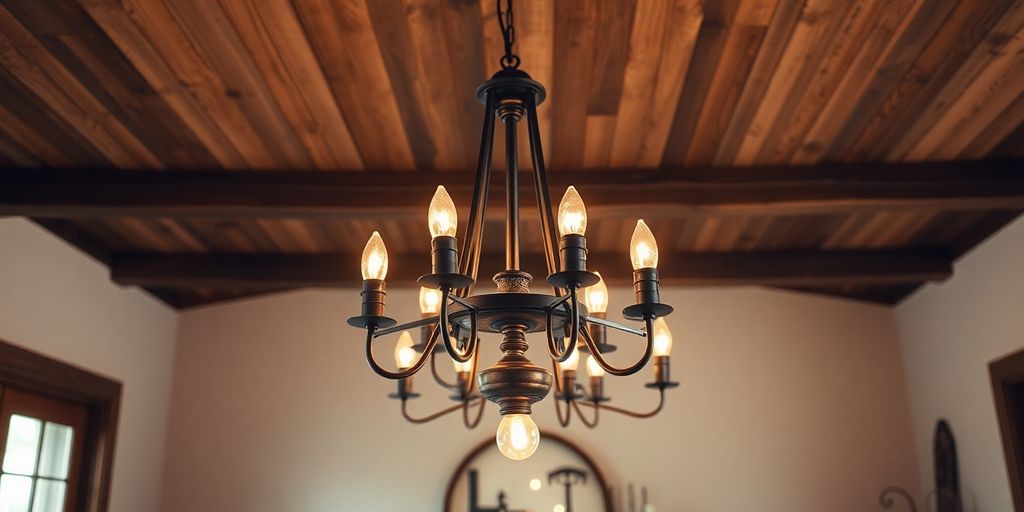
(596, 297)
(572, 362)
(662, 338)
(375, 258)
(404, 353)
(594, 369)
(518, 436)
(463, 367)
(643, 248)
(572, 213)
(441, 216)
(430, 301)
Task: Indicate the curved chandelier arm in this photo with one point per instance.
(446, 337)
(640, 415)
(562, 421)
(437, 376)
(479, 413)
(621, 372)
(572, 309)
(436, 415)
(583, 419)
(403, 374)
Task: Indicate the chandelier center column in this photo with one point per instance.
(510, 111)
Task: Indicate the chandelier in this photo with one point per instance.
(454, 314)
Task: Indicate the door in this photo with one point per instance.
(41, 448)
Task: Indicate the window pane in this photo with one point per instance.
(53, 460)
(14, 493)
(22, 445)
(49, 496)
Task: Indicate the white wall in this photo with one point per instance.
(59, 302)
(950, 332)
(789, 402)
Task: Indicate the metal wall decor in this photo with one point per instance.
(457, 315)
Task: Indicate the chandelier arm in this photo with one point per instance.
(557, 354)
(446, 337)
(622, 372)
(540, 185)
(436, 415)
(437, 376)
(403, 374)
(471, 382)
(638, 415)
(470, 264)
(562, 421)
(614, 325)
(589, 424)
(479, 414)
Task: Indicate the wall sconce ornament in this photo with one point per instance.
(515, 383)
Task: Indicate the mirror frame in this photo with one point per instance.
(606, 491)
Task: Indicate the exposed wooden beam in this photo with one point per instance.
(247, 271)
(56, 193)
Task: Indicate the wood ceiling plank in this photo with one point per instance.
(961, 32)
(24, 136)
(24, 57)
(346, 46)
(805, 103)
(707, 54)
(280, 51)
(214, 37)
(1000, 130)
(71, 36)
(780, 29)
(535, 38)
(464, 33)
(614, 25)
(576, 26)
(600, 132)
(989, 60)
(118, 24)
(793, 268)
(17, 155)
(816, 26)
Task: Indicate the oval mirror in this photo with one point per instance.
(559, 477)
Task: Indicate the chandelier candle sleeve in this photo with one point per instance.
(662, 351)
(374, 267)
(442, 220)
(572, 226)
(404, 357)
(643, 251)
(596, 379)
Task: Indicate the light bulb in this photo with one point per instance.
(441, 216)
(463, 367)
(404, 353)
(596, 296)
(572, 362)
(518, 436)
(594, 369)
(572, 213)
(662, 338)
(430, 301)
(375, 258)
(643, 248)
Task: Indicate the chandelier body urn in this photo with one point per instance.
(455, 313)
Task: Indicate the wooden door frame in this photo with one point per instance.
(35, 372)
(1005, 372)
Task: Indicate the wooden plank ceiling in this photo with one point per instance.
(635, 86)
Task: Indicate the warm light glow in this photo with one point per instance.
(463, 367)
(404, 353)
(430, 301)
(375, 258)
(442, 217)
(596, 297)
(558, 508)
(594, 369)
(573, 362)
(572, 213)
(518, 436)
(643, 248)
(535, 484)
(662, 338)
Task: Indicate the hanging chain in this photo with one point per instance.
(508, 33)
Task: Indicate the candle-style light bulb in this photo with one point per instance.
(430, 301)
(463, 367)
(572, 213)
(594, 369)
(643, 248)
(375, 258)
(518, 436)
(596, 297)
(404, 353)
(572, 362)
(662, 338)
(441, 216)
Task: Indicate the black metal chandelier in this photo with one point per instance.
(454, 316)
